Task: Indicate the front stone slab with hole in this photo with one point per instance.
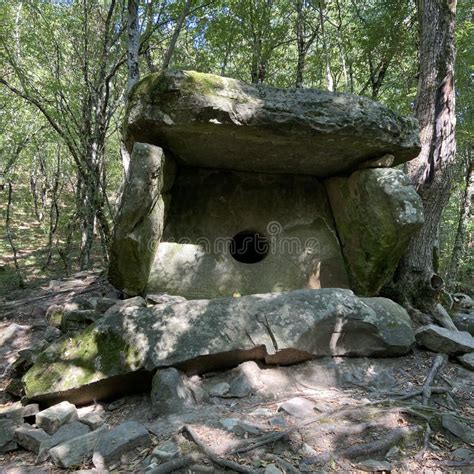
(225, 193)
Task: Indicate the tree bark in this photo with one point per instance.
(416, 279)
(464, 216)
(177, 31)
(133, 45)
(21, 283)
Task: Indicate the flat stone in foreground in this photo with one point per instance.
(199, 336)
(118, 441)
(76, 451)
(56, 416)
(444, 340)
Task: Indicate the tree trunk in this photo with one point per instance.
(21, 283)
(133, 45)
(327, 59)
(416, 279)
(177, 31)
(464, 216)
(300, 44)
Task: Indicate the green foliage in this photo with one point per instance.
(69, 55)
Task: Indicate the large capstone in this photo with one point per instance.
(216, 122)
(376, 211)
(198, 336)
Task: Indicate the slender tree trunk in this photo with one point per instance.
(464, 217)
(133, 36)
(327, 60)
(416, 278)
(21, 283)
(300, 44)
(177, 31)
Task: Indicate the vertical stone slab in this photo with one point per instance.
(376, 213)
(140, 218)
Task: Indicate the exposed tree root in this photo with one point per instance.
(438, 364)
(213, 456)
(179, 463)
(281, 462)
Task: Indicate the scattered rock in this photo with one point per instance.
(103, 304)
(12, 412)
(372, 465)
(77, 451)
(278, 421)
(272, 469)
(30, 410)
(462, 301)
(458, 427)
(264, 412)
(245, 380)
(52, 333)
(78, 319)
(467, 360)
(55, 315)
(443, 340)
(219, 390)
(118, 441)
(56, 416)
(7, 436)
(240, 427)
(200, 336)
(65, 433)
(464, 321)
(31, 438)
(166, 450)
(298, 407)
(136, 301)
(170, 393)
(93, 420)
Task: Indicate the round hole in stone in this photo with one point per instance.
(249, 246)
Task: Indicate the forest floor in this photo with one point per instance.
(325, 415)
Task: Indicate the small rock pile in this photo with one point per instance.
(68, 436)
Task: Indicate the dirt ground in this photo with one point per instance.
(347, 411)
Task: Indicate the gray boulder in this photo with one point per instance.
(464, 321)
(56, 416)
(170, 392)
(118, 441)
(376, 212)
(199, 336)
(76, 451)
(444, 340)
(467, 360)
(7, 435)
(207, 120)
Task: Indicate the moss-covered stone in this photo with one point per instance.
(217, 122)
(199, 336)
(376, 213)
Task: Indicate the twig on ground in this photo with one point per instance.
(213, 456)
(438, 364)
(288, 467)
(416, 393)
(179, 463)
(426, 443)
